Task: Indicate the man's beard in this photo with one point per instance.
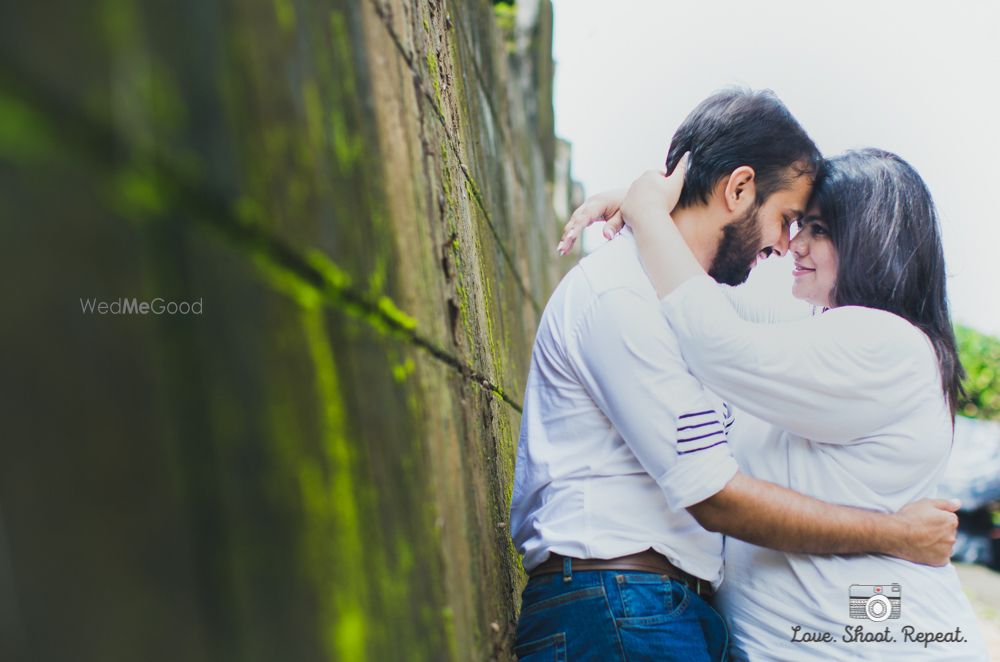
(737, 249)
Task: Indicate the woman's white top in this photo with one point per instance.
(847, 407)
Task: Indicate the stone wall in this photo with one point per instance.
(358, 194)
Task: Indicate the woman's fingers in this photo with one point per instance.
(607, 205)
(614, 225)
(577, 222)
(584, 215)
(682, 167)
(676, 180)
(598, 207)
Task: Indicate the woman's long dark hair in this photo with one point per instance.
(884, 226)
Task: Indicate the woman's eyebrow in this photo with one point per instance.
(811, 218)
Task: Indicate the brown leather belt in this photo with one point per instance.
(647, 561)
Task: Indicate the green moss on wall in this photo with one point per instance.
(326, 454)
(24, 136)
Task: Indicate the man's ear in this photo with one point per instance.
(740, 189)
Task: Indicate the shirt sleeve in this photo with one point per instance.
(834, 378)
(752, 306)
(630, 365)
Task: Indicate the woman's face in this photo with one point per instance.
(815, 261)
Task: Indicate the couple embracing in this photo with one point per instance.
(675, 431)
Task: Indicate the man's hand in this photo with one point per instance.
(769, 515)
(930, 526)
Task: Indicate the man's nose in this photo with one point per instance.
(781, 246)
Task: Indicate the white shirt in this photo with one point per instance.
(617, 438)
(856, 416)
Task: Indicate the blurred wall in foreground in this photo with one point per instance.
(357, 196)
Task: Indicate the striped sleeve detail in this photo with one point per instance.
(698, 431)
(692, 427)
(703, 448)
(730, 416)
(697, 414)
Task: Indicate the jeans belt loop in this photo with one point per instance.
(567, 569)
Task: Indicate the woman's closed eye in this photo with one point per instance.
(814, 226)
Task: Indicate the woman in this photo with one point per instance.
(854, 406)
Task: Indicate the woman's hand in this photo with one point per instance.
(652, 188)
(652, 194)
(664, 254)
(646, 208)
(603, 206)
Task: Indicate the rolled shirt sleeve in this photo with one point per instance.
(630, 365)
(834, 378)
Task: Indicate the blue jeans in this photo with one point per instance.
(612, 615)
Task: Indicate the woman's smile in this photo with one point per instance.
(801, 270)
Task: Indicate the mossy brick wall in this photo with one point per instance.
(318, 466)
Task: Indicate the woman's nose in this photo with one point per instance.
(799, 246)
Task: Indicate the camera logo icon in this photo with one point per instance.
(875, 602)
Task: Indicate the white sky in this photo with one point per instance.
(921, 79)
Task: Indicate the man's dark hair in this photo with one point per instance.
(741, 127)
(885, 229)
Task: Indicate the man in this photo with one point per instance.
(624, 481)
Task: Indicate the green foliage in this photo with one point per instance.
(980, 354)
